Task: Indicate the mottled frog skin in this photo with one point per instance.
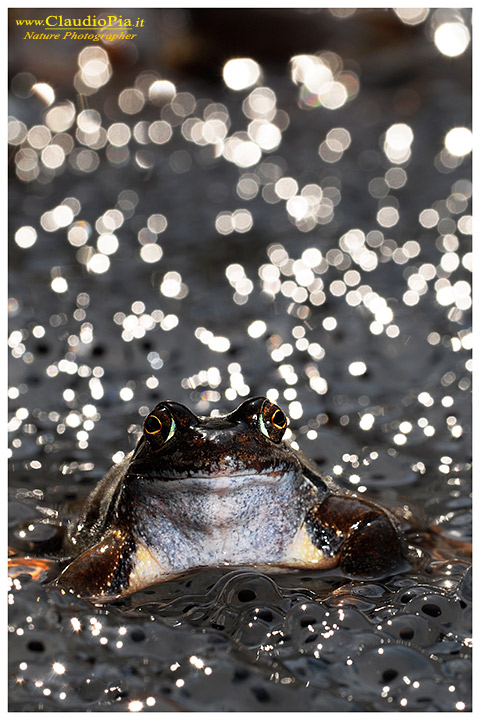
(214, 491)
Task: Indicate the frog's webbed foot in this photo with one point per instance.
(367, 541)
(117, 565)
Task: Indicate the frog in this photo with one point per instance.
(226, 490)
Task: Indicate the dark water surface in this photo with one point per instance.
(306, 237)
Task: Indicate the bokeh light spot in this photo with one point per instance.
(26, 236)
(412, 16)
(241, 73)
(459, 141)
(452, 38)
(98, 263)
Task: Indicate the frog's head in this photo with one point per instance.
(245, 445)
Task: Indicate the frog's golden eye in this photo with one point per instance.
(272, 421)
(279, 419)
(160, 427)
(153, 425)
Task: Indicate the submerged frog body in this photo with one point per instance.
(206, 492)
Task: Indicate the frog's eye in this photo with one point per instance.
(279, 420)
(153, 425)
(160, 427)
(272, 421)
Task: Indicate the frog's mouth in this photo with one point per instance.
(217, 482)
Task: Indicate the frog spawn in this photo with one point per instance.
(224, 622)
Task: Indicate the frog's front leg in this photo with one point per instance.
(359, 536)
(116, 566)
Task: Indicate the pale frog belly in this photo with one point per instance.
(223, 520)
